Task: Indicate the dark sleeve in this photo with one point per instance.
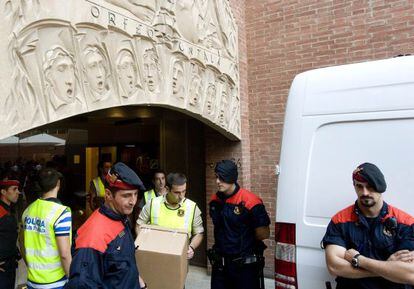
(86, 270)
(406, 238)
(260, 216)
(334, 235)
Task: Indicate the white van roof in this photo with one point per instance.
(338, 89)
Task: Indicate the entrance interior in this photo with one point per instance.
(145, 138)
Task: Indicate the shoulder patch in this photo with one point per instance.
(3, 212)
(401, 216)
(214, 197)
(97, 232)
(345, 215)
(250, 200)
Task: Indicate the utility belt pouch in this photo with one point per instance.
(216, 260)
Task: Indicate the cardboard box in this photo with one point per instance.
(162, 257)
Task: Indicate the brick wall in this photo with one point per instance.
(287, 37)
(217, 147)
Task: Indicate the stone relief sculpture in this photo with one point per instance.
(151, 68)
(235, 113)
(20, 105)
(127, 71)
(165, 20)
(61, 83)
(227, 27)
(180, 53)
(178, 78)
(210, 105)
(224, 109)
(96, 69)
(142, 9)
(196, 85)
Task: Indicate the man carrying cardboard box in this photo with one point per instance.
(105, 251)
(175, 211)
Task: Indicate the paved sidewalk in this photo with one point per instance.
(198, 279)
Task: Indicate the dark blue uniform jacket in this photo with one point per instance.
(8, 238)
(105, 254)
(235, 219)
(377, 238)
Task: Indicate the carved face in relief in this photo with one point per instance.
(96, 69)
(196, 85)
(127, 71)
(224, 104)
(178, 79)
(151, 70)
(211, 98)
(60, 74)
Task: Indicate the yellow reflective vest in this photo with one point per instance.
(41, 250)
(99, 187)
(149, 195)
(180, 218)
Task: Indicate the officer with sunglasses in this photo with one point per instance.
(105, 251)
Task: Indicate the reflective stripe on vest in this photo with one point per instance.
(148, 195)
(181, 218)
(99, 187)
(42, 254)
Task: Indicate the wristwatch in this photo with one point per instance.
(355, 261)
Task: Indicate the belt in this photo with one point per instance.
(241, 260)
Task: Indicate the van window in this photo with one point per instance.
(337, 148)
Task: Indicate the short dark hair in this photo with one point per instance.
(48, 179)
(176, 179)
(158, 171)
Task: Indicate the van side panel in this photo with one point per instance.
(337, 118)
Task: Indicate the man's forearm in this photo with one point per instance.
(341, 267)
(66, 260)
(196, 240)
(396, 271)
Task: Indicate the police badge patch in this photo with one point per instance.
(180, 213)
(237, 210)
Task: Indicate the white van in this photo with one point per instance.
(337, 118)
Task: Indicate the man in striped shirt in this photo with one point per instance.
(47, 226)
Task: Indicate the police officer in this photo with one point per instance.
(175, 211)
(47, 227)
(105, 251)
(8, 233)
(241, 223)
(158, 180)
(367, 231)
(96, 194)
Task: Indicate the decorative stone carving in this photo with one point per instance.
(225, 100)
(142, 9)
(77, 56)
(61, 83)
(197, 79)
(178, 78)
(122, 52)
(96, 69)
(151, 67)
(210, 106)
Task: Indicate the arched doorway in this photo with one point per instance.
(145, 138)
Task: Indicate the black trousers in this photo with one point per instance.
(235, 276)
(8, 278)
